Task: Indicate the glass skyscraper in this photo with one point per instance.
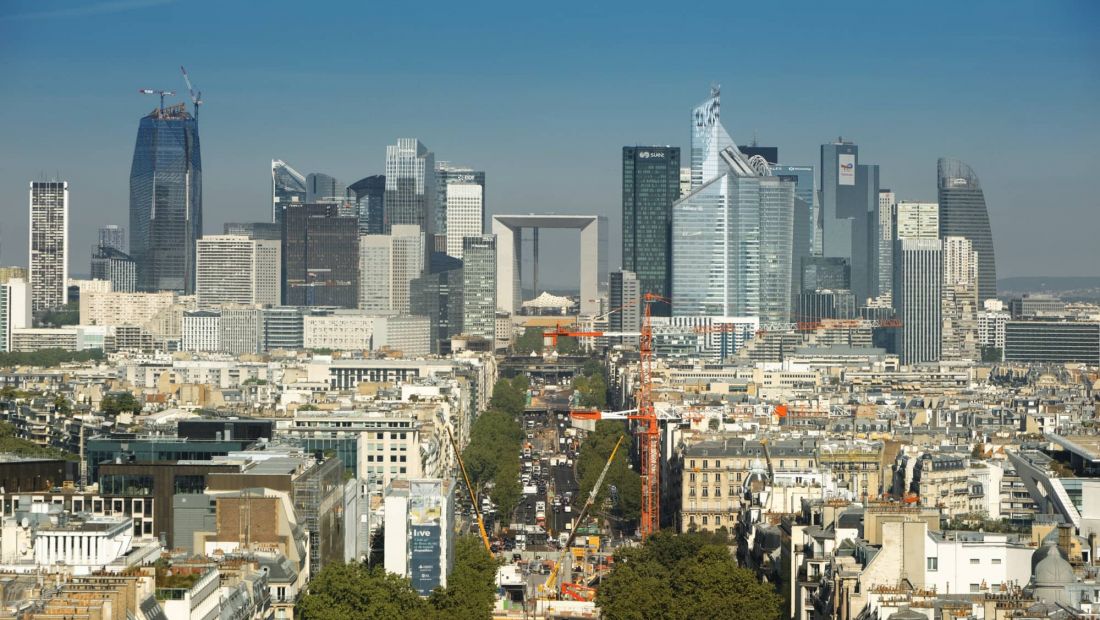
(708, 139)
(963, 213)
(731, 242)
(802, 241)
(320, 257)
(849, 202)
(369, 194)
(410, 187)
(651, 183)
(166, 200)
(479, 286)
(288, 186)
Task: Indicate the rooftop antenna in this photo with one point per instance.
(195, 99)
(162, 93)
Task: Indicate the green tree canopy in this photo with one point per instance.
(530, 342)
(116, 403)
(593, 456)
(348, 591)
(46, 358)
(682, 577)
(471, 586)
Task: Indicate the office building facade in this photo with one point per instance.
(885, 216)
(1052, 342)
(387, 264)
(961, 339)
(447, 174)
(849, 200)
(324, 189)
(479, 286)
(233, 269)
(465, 210)
(651, 183)
(320, 257)
(918, 220)
(410, 187)
(438, 295)
(708, 140)
(288, 187)
(963, 213)
(112, 236)
(166, 201)
(15, 310)
(49, 244)
(917, 294)
(624, 296)
(269, 231)
(805, 215)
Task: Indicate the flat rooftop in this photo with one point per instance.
(1086, 447)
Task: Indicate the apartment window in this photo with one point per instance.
(691, 477)
(933, 563)
(975, 561)
(691, 491)
(718, 491)
(717, 520)
(996, 560)
(717, 477)
(691, 519)
(704, 519)
(704, 467)
(705, 492)
(718, 464)
(733, 491)
(974, 587)
(693, 463)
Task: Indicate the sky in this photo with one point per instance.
(543, 96)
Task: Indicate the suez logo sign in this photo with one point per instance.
(651, 155)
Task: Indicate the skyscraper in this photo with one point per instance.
(446, 174)
(15, 309)
(369, 194)
(49, 247)
(918, 220)
(387, 264)
(959, 312)
(651, 183)
(963, 214)
(708, 139)
(166, 200)
(288, 187)
(270, 231)
(115, 265)
(918, 285)
(322, 188)
(479, 286)
(465, 214)
(410, 187)
(805, 223)
(320, 257)
(438, 295)
(731, 242)
(624, 295)
(849, 199)
(112, 236)
(886, 214)
(233, 269)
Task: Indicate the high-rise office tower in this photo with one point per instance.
(917, 220)
(166, 200)
(369, 194)
(322, 188)
(651, 183)
(823, 273)
(479, 286)
(115, 265)
(731, 245)
(233, 269)
(410, 187)
(917, 295)
(708, 140)
(963, 214)
(387, 264)
(112, 236)
(624, 295)
(446, 174)
(885, 216)
(49, 247)
(288, 187)
(959, 314)
(15, 310)
(802, 240)
(270, 231)
(849, 199)
(320, 257)
(465, 214)
(438, 295)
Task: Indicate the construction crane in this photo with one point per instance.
(162, 93)
(196, 100)
(473, 497)
(549, 585)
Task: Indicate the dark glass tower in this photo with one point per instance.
(166, 200)
(438, 295)
(320, 256)
(370, 203)
(963, 214)
(651, 183)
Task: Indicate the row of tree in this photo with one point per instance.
(621, 490)
(496, 439)
(348, 591)
(683, 577)
(46, 358)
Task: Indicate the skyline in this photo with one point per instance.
(1019, 113)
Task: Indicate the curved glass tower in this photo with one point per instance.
(166, 200)
(963, 214)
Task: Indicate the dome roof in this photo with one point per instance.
(1050, 568)
(907, 614)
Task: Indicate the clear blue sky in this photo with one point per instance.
(544, 95)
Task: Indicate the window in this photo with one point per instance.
(933, 563)
(718, 464)
(974, 587)
(704, 467)
(704, 519)
(717, 477)
(975, 561)
(691, 477)
(996, 560)
(705, 492)
(717, 520)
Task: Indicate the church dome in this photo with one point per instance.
(1049, 567)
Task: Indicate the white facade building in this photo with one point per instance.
(201, 331)
(387, 265)
(15, 310)
(49, 244)
(465, 214)
(233, 269)
(918, 220)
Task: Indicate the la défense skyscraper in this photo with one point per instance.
(963, 213)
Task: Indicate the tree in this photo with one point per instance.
(471, 586)
(530, 342)
(679, 577)
(568, 345)
(348, 591)
(114, 404)
(46, 358)
(594, 452)
(61, 404)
